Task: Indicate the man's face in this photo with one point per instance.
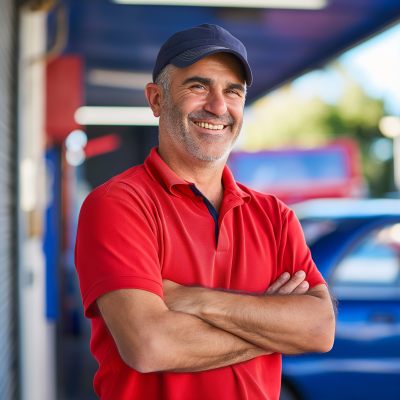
(210, 92)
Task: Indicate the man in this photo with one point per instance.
(185, 273)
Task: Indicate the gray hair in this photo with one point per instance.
(164, 79)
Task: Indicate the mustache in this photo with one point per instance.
(224, 119)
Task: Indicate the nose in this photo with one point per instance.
(216, 103)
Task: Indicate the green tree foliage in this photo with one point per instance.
(282, 119)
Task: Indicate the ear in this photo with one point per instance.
(154, 95)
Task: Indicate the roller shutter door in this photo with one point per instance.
(8, 221)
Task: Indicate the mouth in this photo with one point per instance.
(210, 127)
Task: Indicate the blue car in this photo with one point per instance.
(356, 246)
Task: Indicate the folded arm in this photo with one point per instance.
(152, 338)
(290, 324)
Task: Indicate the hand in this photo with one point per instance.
(283, 285)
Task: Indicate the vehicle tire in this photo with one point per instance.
(286, 393)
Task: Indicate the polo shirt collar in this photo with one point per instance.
(232, 187)
(159, 171)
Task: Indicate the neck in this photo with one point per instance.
(207, 176)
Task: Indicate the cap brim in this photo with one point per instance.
(191, 56)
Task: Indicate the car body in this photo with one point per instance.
(356, 245)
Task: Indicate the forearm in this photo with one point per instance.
(285, 324)
(152, 338)
(186, 343)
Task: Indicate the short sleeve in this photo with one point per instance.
(294, 254)
(116, 248)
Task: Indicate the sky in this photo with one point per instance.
(375, 64)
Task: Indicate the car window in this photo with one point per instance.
(373, 263)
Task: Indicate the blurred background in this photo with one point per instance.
(321, 132)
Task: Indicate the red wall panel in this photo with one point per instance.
(64, 95)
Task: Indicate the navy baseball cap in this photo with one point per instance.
(184, 48)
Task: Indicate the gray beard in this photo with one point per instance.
(173, 120)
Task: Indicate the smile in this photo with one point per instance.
(210, 126)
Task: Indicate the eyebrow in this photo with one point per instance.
(199, 79)
(209, 81)
(236, 86)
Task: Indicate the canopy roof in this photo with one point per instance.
(281, 43)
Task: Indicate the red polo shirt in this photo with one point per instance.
(147, 224)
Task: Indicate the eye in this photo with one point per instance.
(199, 86)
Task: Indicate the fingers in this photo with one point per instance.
(274, 287)
(294, 285)
(302, 288)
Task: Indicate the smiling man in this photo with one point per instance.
(195, 284)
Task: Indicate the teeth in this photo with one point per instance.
(210, 126)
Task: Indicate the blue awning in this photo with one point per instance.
(281, 43)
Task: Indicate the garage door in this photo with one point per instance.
(8, 266)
